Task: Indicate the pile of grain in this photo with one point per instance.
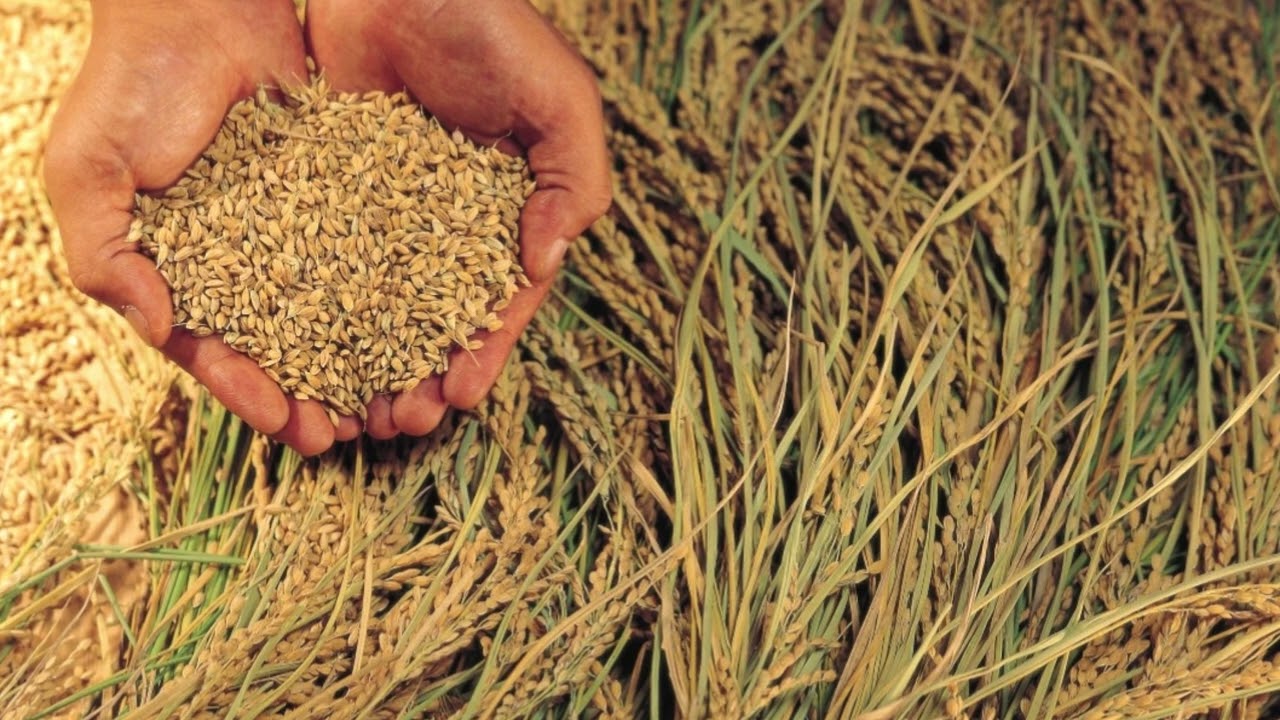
(347, 243)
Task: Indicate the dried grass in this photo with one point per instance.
(925, 367)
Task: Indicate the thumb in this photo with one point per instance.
(570, 164)
(119, 276)
(544, 233)
(550, 220)
(92, 197)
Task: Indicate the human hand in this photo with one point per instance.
(500, 73)
(154, 88)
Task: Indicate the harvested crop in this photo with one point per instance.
(347, 243)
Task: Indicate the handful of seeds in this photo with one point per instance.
(346, 243)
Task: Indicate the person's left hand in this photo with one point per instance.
(500, 73)
(155, 85)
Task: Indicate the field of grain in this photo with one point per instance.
(925, 366)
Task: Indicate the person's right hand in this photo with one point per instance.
(158, 79)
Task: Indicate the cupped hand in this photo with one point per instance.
(154, 88)
(500, 73)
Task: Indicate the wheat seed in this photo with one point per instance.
(346, 243)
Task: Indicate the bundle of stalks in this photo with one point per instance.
(924, 367)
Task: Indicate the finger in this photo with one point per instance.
(472, 373)
(348, 429)
(550, 220)
(567, 154)
(308, 430)
(285, 57)
(378, 422)
(235, 380)
(420, 410)
(349, 64)
(119, 276)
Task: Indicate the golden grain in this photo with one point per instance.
(328, 309)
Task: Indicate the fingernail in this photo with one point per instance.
(139, 323)
(553, 258)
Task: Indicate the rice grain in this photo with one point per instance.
(346, 243)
